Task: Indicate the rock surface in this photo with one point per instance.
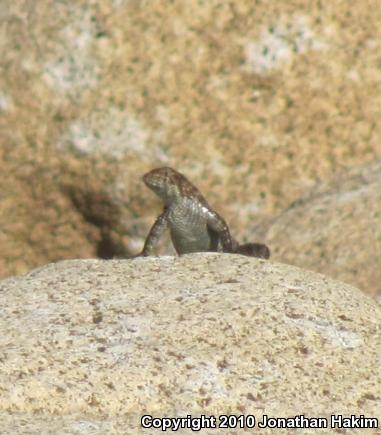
(336, 230)
(254, 101)
(89, 346)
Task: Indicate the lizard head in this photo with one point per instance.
(168, 184)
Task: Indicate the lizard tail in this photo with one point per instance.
(253, 250)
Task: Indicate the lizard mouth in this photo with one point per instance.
(148, 181)
(145, 178)
(151, 181)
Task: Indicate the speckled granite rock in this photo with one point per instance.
(253, 100)
(336, 230)
(90, 346)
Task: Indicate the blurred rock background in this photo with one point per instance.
(271, 108)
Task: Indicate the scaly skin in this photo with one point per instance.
(194, 226)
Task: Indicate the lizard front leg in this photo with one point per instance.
(155, 233)
(218, 225)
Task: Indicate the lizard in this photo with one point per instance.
(194, 225)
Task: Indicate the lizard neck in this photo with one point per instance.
(171, 196)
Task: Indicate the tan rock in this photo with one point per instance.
(336, 230)
(90, 346)
(254, 101)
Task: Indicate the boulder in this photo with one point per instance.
(335, 229)
(90, 346)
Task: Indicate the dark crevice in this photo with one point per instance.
(108, 248)
(98, 209)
